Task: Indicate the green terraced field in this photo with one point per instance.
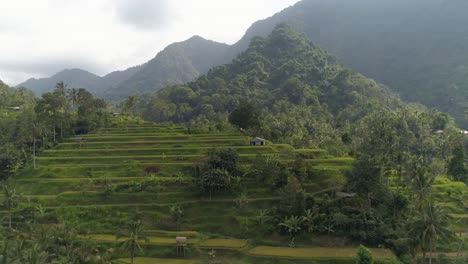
(70, 182)
(157, 261)
(318, 253)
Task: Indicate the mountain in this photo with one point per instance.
(300, 91)
(178, 63)
(72, 77)
(417, 47)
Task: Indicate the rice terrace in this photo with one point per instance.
(139, 169)
(289, 132)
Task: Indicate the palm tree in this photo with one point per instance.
(422, 182)
(10, 201)
(133, 236)
(61, 89)
(73, 96)
(432, 222)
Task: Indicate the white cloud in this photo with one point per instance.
(41, 37)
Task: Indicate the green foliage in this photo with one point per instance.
(292, 225)
(456, 167)
(245, 116)
(28, 124)
(225, 159)
(297, 87)
(364, 256)
(133, 234)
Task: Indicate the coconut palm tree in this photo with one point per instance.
(432, 222)
(133, 235)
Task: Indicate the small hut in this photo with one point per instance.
(181, 243)
(256, 141)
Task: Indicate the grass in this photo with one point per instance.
(151, 240)
(317, 253)
(224, 243)
(76, 176)
(163, 233)
(157, 261)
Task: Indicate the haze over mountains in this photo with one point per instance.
(417, 47)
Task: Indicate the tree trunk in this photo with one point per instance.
(430, 251)
(132, 256)
(9, 218)
(61, 130)
(54, 133)
(34, 152)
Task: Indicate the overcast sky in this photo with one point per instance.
(41, 37)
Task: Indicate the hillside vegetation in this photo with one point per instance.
(343, 162)
(415, 47)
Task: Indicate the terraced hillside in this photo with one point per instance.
(98, 182)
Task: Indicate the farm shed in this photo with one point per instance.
(256, 141)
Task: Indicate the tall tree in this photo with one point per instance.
(133, 235)
(456, 167)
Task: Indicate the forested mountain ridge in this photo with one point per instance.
(73, 77)
(302, 93)
(418, 48)
(178, 63)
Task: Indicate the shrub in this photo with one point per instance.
(364, 256)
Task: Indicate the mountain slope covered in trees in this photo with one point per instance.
(302, 94)
(415, 47)
(418, 48)
(178, 63)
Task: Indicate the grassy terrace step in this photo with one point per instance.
(311, 153)
(221, 243)
(165, 196)
(156, 143)
(186, 158)
(340, 161)
(151, 240)
(187, 165)
(152, 151)
(98, 180)
(157, 261)
(228, 243)
(162, 134)
(149, 144)
(228, 203)
(96, 198)
(317, 253)
(61, 185)
(129, 128)
(172, 234)
(132, 138)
